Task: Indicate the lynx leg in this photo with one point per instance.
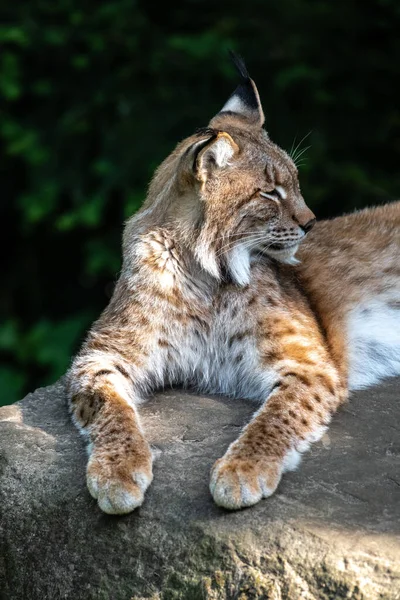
(102, 404)
(296, 414)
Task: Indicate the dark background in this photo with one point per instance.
(95, 94)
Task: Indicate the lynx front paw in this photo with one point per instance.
(239, 482)
(118, 478)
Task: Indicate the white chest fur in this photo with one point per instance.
(218, 355)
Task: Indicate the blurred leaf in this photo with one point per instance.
(52, 343)
(9, 337)
(87, 213)
(11, 383)
(14, 34)
(10, 85)
(37, 206)
(101, 259)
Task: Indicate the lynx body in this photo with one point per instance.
(211, 296)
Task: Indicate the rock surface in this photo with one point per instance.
(331, 531)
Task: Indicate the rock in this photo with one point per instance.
(331, 531)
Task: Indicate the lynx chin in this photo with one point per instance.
(228, 287)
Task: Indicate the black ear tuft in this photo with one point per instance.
(244, 103)
(240, 65)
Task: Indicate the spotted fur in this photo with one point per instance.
(210, 297)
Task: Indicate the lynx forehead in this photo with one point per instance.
(209, 297)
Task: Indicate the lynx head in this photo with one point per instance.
(228, 192)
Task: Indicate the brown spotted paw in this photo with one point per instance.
(118, 479)
(236, 482)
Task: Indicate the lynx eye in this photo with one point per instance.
(277, 193)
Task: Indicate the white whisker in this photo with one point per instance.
(292, 146)
(300, 153)
(299, 144)
(246, 241)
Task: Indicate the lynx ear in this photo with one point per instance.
(215, 153)
(245, 100)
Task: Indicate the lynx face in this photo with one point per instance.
(251, 195)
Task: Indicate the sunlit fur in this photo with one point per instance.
(209, 297)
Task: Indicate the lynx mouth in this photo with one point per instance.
(283, 252)
(282, 246)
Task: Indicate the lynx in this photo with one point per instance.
(212, 296)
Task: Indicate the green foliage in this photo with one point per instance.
(93, 96)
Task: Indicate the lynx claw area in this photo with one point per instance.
(236, 483)
(118, 485)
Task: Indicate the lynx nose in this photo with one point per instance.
(306, 228)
